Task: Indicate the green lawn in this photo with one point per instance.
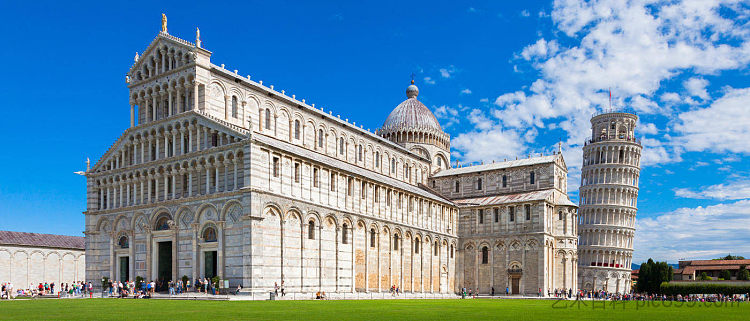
(470, 310)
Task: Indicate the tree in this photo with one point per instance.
(743, 274)
(704, 277)
(725, 274)
(731, 257)
(652, 274)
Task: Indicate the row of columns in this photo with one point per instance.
(154, 187)
(609, 196)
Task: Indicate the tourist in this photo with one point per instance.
(506, 291)
(282, 289)
(540, 292)
(187, 286)
(239, 287)
(493, 291)
(276, 289)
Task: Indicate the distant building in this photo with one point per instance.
(691, 270)
(27, 259)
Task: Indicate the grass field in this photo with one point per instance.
(471, 310)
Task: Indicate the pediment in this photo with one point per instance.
(163, 48)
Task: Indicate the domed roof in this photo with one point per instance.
(411, 114)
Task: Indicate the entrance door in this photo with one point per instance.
(514, 285)
(209, 264)
(164, 274)
(124, 268)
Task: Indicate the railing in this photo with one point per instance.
(616, 265)
(604, 139)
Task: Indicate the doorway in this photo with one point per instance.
(164, 271)
(124, 268)
(514, 285)
(209, 264)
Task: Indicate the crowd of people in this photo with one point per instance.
(77, 288)
(604, 295)
(145, 290)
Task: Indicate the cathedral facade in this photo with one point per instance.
(222, 176)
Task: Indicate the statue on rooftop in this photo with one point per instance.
(163, 23)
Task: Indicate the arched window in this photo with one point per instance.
(440, 162)
(416, 246)
(268, 118)
(531, 177)
(320, 138)
(209, 234)
(436, 249)
(162, 224)
(395, 242)
(234, 106)
(341, 145)
(479, 184)
(377, 159)
(123, 242)
(372, 237)
(344, 234)
(311, 230)
(505, 180)
(451, 251)
(393, 165)
(296, 129)
(458, 186)
(559, 215)
(485, 255)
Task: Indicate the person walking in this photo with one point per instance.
(493, 291)
(283, 293)
(506, 291)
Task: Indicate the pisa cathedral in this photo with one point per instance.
(220, 175)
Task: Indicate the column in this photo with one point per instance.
(234, 179)
(153, 107)
(174, 142)
(198, 137)
(216, 178)
(182, 141)
(226, 106)
(195, 95)
(190, 182)
(170, 91)
(148, 195)
(220, 250)
(127, 193)
(208, 179)
(156, 153)
(166, 185)
(226, 170)
(132, 113)
(195, 267)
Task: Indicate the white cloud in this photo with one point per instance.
(484, 100)
(466, 91)
(429, 81)
(722, 126)
(525, 13)
(447, 72)
(696, 86)
(694, 233)
(447, 114)
(736, 190)
(647, 129)
(540, 50)
(657, 153)
(488, 145)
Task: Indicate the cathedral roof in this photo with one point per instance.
(498, 165)
(547, 194)
(41, 240)
(411, 114)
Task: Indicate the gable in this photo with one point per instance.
(165, 53)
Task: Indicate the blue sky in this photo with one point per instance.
(505, 79)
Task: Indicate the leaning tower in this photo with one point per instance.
(608, 203)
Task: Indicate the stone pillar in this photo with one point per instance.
(132, 113)
(153, 106)
(166, 185)
(234, 179)
(190, 182)
(220, 250)
(208, 179)
(194, 233)
(170, 91)
(216, 177)
(178, 107)
(195, 95)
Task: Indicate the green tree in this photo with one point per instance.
(704, 277)
(652, 274)
(725, 274)
(731, 257)
(743, 274)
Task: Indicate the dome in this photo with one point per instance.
(411, 114)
